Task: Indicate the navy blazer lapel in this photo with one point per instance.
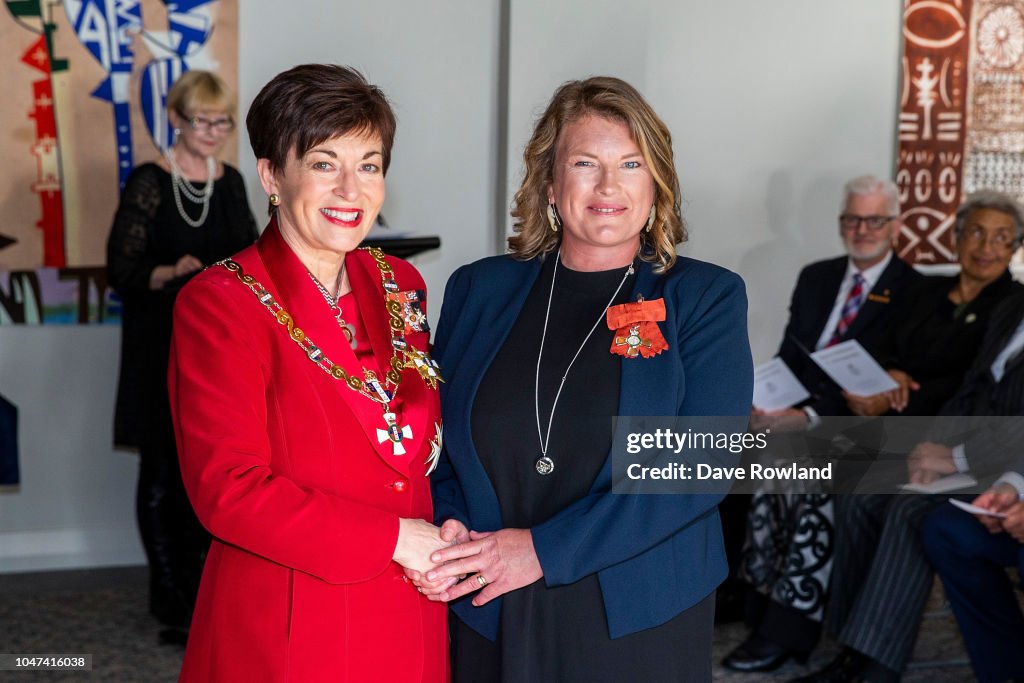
(640, 391)
(504, 301)
(645, 385)
(505, 298)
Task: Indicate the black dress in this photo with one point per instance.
(148, 232)
(561, 633)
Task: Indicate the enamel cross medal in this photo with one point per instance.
(394, 433)
(633, 342)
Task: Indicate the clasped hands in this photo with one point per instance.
(451, 561)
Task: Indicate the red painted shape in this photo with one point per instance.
(48, 178)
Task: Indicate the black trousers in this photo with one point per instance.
(175, 542)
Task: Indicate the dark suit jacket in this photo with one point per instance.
(993, 445)
(812, 302)
(655, 555)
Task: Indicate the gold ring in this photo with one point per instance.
(481, 580)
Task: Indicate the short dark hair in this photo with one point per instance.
(312, 103)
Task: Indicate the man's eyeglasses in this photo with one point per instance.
(976, 234)
(850, 221)
(201, 123)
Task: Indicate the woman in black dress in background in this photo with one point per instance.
(177, 215)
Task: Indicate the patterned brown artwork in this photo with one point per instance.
(961, 120)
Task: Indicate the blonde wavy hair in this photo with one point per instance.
(614, 99)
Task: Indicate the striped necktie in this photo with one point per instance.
(850, 309)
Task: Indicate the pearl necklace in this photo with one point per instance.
(545, 465)
(181, 185)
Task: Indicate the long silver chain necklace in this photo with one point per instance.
(347, 329)
(545, 465)
(181, 186)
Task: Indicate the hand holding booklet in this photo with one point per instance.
(776, 387)
(853, 369)
(975, 510)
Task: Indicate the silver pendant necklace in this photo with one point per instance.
(347, 328)
(545, 465)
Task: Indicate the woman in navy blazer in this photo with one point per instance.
(592, 314)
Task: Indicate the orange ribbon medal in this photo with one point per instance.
(636, 328)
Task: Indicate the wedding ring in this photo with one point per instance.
(481, 580)
(419, 589)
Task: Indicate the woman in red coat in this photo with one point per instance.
(306, 412)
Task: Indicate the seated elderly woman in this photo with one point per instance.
(880, 576)
(306, 411)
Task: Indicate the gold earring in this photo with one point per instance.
(554, 220)
(651, 217)
(275, 199)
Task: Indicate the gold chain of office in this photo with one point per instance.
(368, 388)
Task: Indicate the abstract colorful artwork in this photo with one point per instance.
(961, 119)
(85, 83)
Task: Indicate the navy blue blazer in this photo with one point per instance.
(655, 555)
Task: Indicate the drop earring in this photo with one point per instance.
(554, 220)
(651, 217)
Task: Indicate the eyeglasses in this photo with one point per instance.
(976, 234)
(201, 123)
(851, 221)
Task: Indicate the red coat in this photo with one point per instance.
(283, 466)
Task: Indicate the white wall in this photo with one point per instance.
(75, 506)
(437, 62)
(772, 106)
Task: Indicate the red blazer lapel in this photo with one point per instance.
(409, 403)
(299, 295)
(368, 291)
